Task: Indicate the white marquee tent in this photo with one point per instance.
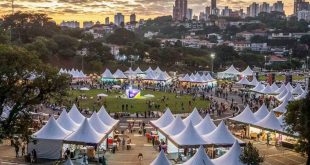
(231, 157)
(205, 126)
(200, 158)
(164, 120)
(246, 116)
(175, 127)
(247, 72)
(66, 122)
(161, 159)
(270, 122)
(106, 118)
(76, 115)
(261, 113)
(194, 117)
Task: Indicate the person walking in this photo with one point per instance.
(140, 157)
(23, 148)
(16, 146)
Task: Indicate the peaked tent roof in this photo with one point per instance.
(289, 86)
(261, 112)
(274, 87)
(107, 74)
(267, 90)
(281, 108)
(287, 97)
(220, 136)
(205, 126)
(270, 122)
(194, 117)
(231, 70)
(243, 81)
(254, 81)
(119, 74)
(282, 93)
(164, 120)
(66, 122)
(247, 72)
(149, 70)
(76, 115)
(175, 127)
(188, 137)
(51, 131)
(86, 134)
(246, 116)
(68, 162)
(97, 124)
(298, 90)
(282, 87)
(200, 158)
(106, 118)
(161, 159)
(210, 77)
(231, 157)
(139, 71)
(161, 77)
(301, 96)
(158, 70)
(186, 78)
(258, 87)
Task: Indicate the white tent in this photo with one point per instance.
(274, 87)
(198, 79)
(281, 108)
(261, 112)
(76, 115)
(149, 70)
(149, 76)
(106, 118)
(164, 120)
(282, 88)
(119, 74)
(270, 122)
(166, 75)
(297, 90)
(210, 77)
(287, 97)
(68, 162)
(192, 77)
(267, 90)
(254, 81)
(194, 117)
(200, 158)
(86, 134)
(231, 70)
(247, 72)
(282, 94)
(246, 116)
(301, 96)
(258, 87)
(232, 157)
(161, 77)
(186, 78)
(289, 87)
(243, 81)
(66, 122)
(98, 125)
(220, 136)
(158, 70)
(107, 74)
(161, 159)
(188, 137)
(205, 126)
(175, 127)
(139, 71)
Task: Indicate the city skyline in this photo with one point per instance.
(97, 10)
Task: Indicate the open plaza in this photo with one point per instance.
(155, 117)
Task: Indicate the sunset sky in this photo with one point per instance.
(94, 10)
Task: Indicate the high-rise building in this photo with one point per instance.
(88, 24)
(202, 16)
(303, 14)
(226, 11)
(264, 7)
(107, 20)
(278, 6)
(70, 24)
(133, 18)
(180, 10)
(189, 14)
(119, 19)
(208, 10)
(300, 5)
(213, 7)
(254, 9)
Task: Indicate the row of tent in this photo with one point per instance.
(193, 130)
(73, 128)
(75, 73)
(197, 78)
(233, 71)
(263, 118)
(231, 157)
(149, 74)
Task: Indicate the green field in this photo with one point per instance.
(114, 104)
(281, 78)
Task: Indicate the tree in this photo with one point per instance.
(25, 82)
(250, 155)
(297, 119)
(121, 36)
(67, 46)
(305, 39)
(259, 39)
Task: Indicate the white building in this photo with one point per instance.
(189, 14)
(253, 9)
(304, 14)
(278, 6)
(150, 34)
(70, 24)
(119, 19)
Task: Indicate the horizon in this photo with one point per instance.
(98, 10)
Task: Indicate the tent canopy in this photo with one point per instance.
(164, 120)
(270, 122)
(246, 116)
(194, 117)
(254, 81)
(107, 74)
(106, 118)
(66, 122)
(243, 81)
(247, 72)
(76, 115)
(205, 126)
(231, 157)
(161, 159)
(281, 108)
(97, 124)
(231, 70)
(200, 158)
(261, 112)
(175, 127)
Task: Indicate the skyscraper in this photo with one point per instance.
(300, 5)
(278, 6)
(107, 20)
(189, 14)
(119, 19)
(254, 9)
(208, 10)
(180, 10)
(132, 18)
(264, 7)
(213, 4)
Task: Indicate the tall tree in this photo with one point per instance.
(297, 119)
(250, 155)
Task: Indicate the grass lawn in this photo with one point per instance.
(114, 104)
(281, 78)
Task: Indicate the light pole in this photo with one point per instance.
(265, 61)
(212, 58)
(307, 65)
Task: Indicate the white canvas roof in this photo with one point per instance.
(149, 76)
(231, 70)
(267, 90)
(66, 122)
(210, 77)
(76, 115)
(287, 97)
(270, 122)
(289, 87)
(254, 81)
(161, 159)
(281, 108)
(175, 127)
(158, 70)
(139, 71)
(97, 124)
(200, 158)
(301, 96)
(161, 77)
(205, 126)
(298, 90)
(274, 87)
(247, 72)
(194, 117)
(51, 131)
(282, 88)
(107, 74)
(192, 77)
(243, 81)
(186, 78)
(164, 120)
(149, 70)
(220, 136)
(85, 134)
(188, 137)
(246, 116)
(166, 75)
(198, 79)
(119, 74)
(231, 157)
(68, 162)
(258, 87)
(282, 94)
(106, 118)
(261, 112)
